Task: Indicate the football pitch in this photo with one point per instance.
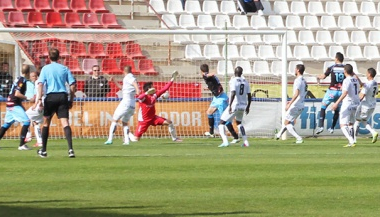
(157, 177)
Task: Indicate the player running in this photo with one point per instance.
(239, 89)
(367, 104)
(15, 110)
(350, 99)
(126, 107)
(295, 106)
(147, 111)
(219, 102)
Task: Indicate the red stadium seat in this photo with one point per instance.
(78, 49)
(73, 65)
(114, 50)
(23, 5)
(146, 67)
(42, 6)
(128, 62)
(72, 20)
(113, 91)
(109, 66)
(35, 19)
(16, 18)
(40, 49)
(6, 5)
(61, 46)
(133, 51)
(61, 6)
(91, 20)
(80, 85)
(96, 50)
(2, 18)
(109, 21)
(79, 6)
(97, 6)
(53, 19)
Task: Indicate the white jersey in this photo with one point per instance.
(43, 90)
(351, 85)
(241, 88)
(301, 85)
(129, 90)
(370, 90)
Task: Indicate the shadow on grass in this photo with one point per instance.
(17, 211)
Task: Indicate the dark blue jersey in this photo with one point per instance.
(20, 85)
(213, 84)
(337, 75)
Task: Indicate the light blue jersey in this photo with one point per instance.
(30, 90)
(55, 76)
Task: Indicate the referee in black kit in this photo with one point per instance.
(55, 76)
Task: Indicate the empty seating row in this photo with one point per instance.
(95, 6)
(53, 19)
(193, 7)
(330, 8)
(275, 22)
(266, 52)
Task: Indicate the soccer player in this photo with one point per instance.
(126, 107)
(219, 102)
(239, 90)
(14, 109)
(295, 106)
(55, 76)
(350, 101)
(147, 111)
(367, 104)
(333, 93)
(35, 113)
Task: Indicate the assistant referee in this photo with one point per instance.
(55, 76)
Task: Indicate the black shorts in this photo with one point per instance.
(56, 103)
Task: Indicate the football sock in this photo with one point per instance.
(44, 135)
(322, 115)
(352, 132)
(283, 129)
(211, 122)
(242, 132)
(69, 136)
(223, 134)
(291, 130)
(335, 119)
(2, 132)
(232, 130)
(172, 131)
(37, 131)
(368, 127)
(346, 132)
(356, 128)
(24, 131)
(28, 134)
(126, 132)
(112, 130)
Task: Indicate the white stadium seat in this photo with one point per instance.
(376, 22)
(266, 52)
(311, 23)
(267, 7)
(333, 8)
(292, 38)
(205, 21)
(258, 22)
(374, 37)
(301, 52)
(221, 67)
(316, 8)
(212, 52)
(345, 22)
(228, 7)
(248, 52)
(193, 52)
(254, 39)
(232, 52)
(200, 39)
(319, 53)
(193, 7)
(368, 8)
(276, 68)
(289, 54)
(335, 49)
(175, 7)
(281, 7)
(306, 37)
(298, 8)
(363, 23)
(261, 68)
(355, 53)
(222, 21)
(158, 6)
(187, 21)
(170, 20)
(350, 8)
(182, 39)
(293, 22)
(241, 22)
(272, 39)
(324, 38)
(371, 53)
(218, 39)
(236, 39)
(329, 23)
(341, 38)
(210, 7)
(359, 38)
(276, 22)
(245, 65)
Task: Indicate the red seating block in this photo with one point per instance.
(2, 18)
(79, 6)
(109, 21)
(114, 50)
(133, 51)
(72, 20)
(53, 19)
(40, 49)
(73, 65)
(36, 19)
(80, 85)
(61, 46)
(146, 67)
(128, 62)
(16, 18)
(109, 66)
(96, 50)
(97, 6)
(6, 5)
(78, 49)
(42, 6)
(91, 20)
(61, 6)
(23, 5)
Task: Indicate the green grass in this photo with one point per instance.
(156, 177)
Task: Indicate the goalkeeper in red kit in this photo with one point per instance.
(147, 111)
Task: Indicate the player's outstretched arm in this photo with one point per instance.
(168, 85)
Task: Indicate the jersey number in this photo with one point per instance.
(374, 91)
(356, 89)
(241, 90)
(339, 77)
